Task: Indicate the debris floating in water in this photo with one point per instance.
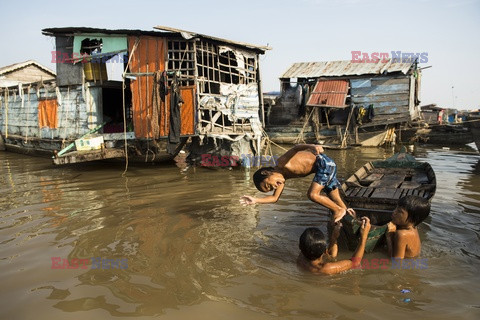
(405, 291)
(406, 300)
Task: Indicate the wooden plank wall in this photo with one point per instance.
(390, 96)
(29, 73)
(149, 56)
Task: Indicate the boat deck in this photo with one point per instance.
(387, 184)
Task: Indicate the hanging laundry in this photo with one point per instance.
(370, 112)
(176, 102)
(47, 113)
(360, 112)
(114, 67)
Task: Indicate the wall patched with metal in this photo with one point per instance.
(78, 109)
(389, 95)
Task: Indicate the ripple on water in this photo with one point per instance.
(190, 245)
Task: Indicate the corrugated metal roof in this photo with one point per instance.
(189, 34)
(343, 68)
(332, 93)
(170, 32)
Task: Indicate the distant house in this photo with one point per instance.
(25, 72)
(325, 98)
(432, 114)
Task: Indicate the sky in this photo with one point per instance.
(297, 31)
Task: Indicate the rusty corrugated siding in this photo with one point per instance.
(329, 93)
(149, 56)
(343, 68)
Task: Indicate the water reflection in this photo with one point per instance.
(192, 249)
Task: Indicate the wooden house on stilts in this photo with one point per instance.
(344, 102)
(140, 94)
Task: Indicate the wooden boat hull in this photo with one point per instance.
(474, 124)
(374, 191)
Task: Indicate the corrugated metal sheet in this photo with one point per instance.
(173, 32)
(150, 57)
(331, 93)
(343, 68)
(188, 35)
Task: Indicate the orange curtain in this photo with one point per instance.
(47, 113)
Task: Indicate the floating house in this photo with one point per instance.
(439, 126)
(344, 102)
(138, 94)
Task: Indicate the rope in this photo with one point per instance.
(66, 119)
(6, 113)
(28, 109)
(300, 135)
(269, 141)
(124, 109)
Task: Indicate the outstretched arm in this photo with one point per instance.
(247, 200)
(283, 160)
(358, 254)
(333, 246)
(354, 262)
(389, 236)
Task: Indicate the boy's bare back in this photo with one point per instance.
(412, 242)
(301, 164)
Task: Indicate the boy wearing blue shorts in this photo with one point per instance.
(301, 161)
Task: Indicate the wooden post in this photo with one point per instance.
(260, 92)
(2, 143)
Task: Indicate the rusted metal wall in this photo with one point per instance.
(331, 93)
(149, 56)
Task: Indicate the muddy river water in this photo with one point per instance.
(173, 242)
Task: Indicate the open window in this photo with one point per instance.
(181, 56)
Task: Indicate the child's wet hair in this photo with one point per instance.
(417, 208)
(261, 174)
(312, 243)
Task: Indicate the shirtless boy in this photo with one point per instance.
(403, 240)
(315, 256)
(300, 161)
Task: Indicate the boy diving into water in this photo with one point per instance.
(301, 161)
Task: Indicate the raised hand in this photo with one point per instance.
(391, 227)
(352, 212)
(247, 200)
(365, 228)
(319, 149)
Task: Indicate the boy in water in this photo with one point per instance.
(317, 258)
(300, 161)
(403, 240)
